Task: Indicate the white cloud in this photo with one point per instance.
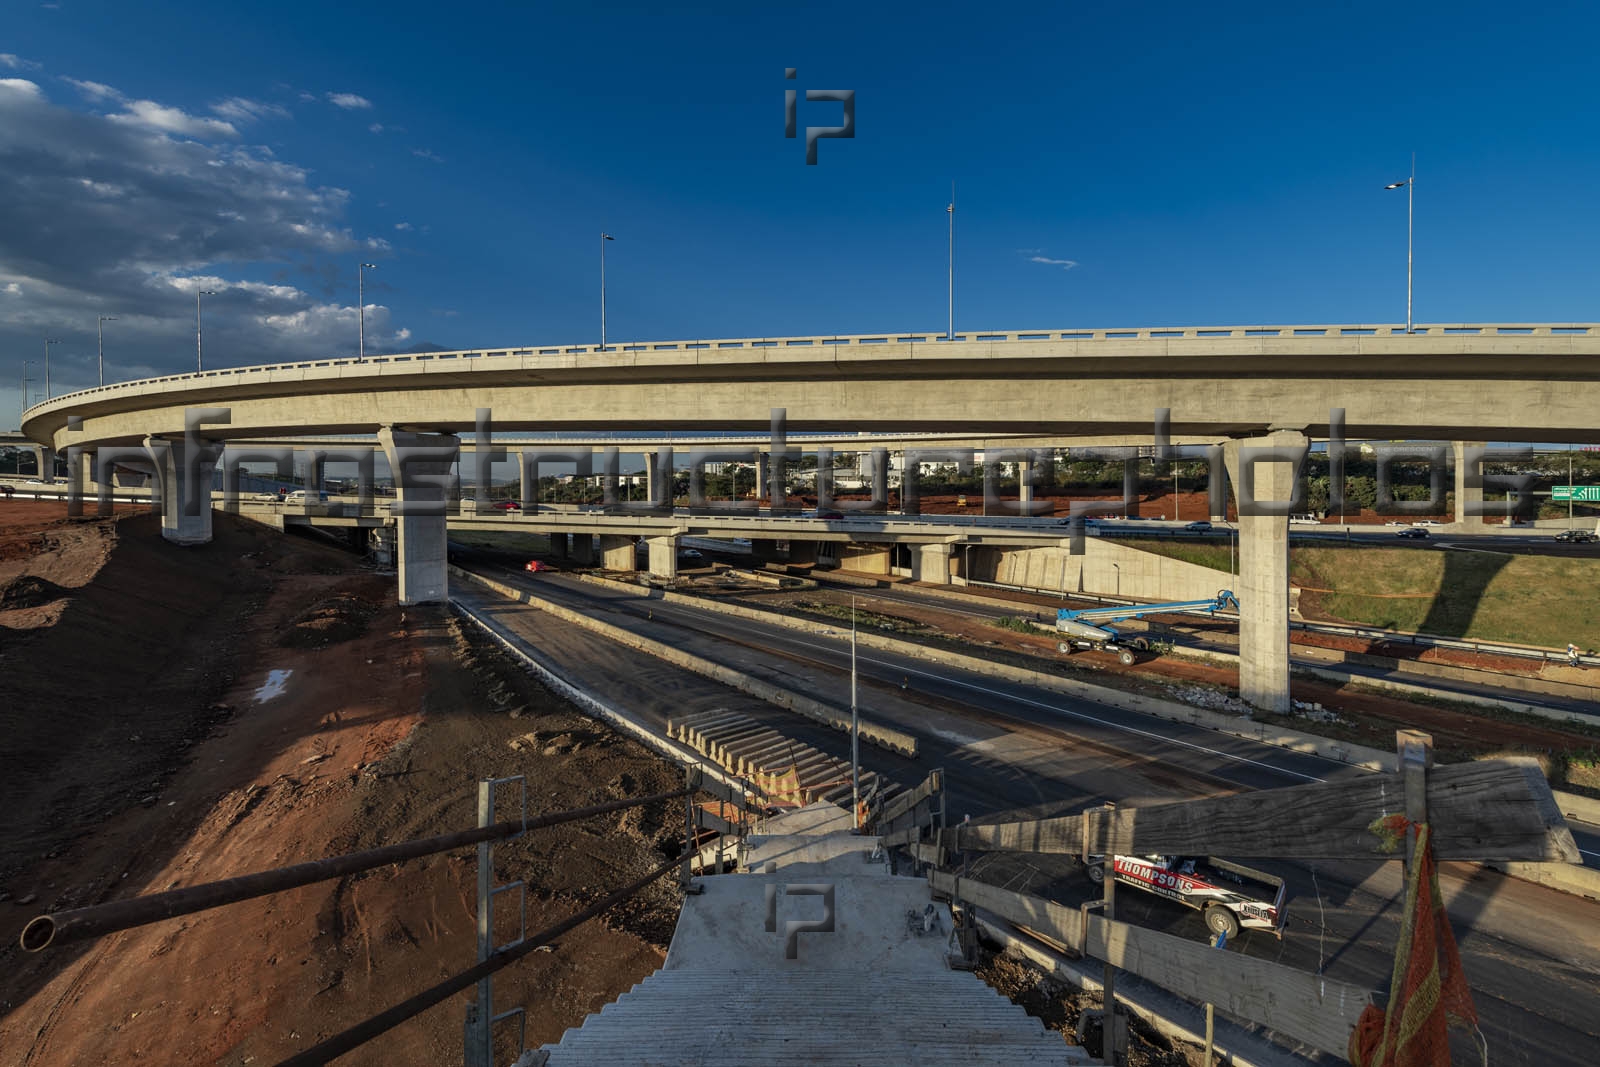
(94, 90)
(349, 101)
(307, 98)
(21, 87)
(17, 62)
(423, 153)
(239, 109)
(376, 127)
(402, 225)
(173, 120)
(1064, 264)
(126, 215)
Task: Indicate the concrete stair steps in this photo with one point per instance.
(758, 1017)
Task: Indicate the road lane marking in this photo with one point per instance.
(1150, 734)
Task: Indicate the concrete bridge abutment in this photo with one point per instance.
(1264, 474)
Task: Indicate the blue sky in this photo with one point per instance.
(1179, 163)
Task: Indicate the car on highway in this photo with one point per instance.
(300, 496)
(534, 566)
(1581, 537)
(1394, 522)
(1427, 522)
(690, 553)
(1201, 526)
(1412, 531)
(829, 513)
(507, 505)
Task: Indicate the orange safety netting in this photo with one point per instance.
(1428, 990)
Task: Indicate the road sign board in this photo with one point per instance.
(1575, 492)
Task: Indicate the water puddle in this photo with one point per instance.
(276, 680)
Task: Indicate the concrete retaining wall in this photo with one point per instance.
(1110, 569)
(875, 733)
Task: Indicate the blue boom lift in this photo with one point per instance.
(1084, 627)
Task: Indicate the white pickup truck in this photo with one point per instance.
(1228, 895)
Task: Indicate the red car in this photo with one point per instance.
(508, 505)
(536, 565)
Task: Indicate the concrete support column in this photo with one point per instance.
(559, 543)
(616, 552)
(663, 556)
(422, 554)
(1024, 481)
(1263, 583)
(80, 478)
(314, 474)
(38, 459)
(763, 473)
(185, 475)
(1214, 458)
(583, 549)
(1464, 495)
(650, 476)
(931, 563)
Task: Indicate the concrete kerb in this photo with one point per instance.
(875, 733)
(1236, 1046)
(616, 718)
(1339, 751)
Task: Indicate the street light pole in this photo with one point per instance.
(100, 329)
(198, 293)
(950, 335)
(604, 237)
(1410, 185)
(24, 407)
(361, 298)
(47, 344)
(855, 726)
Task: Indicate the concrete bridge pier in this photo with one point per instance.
(1024, 483)
(184, 473)
(1263, 584)
(583, 549)
(931, 563)
(663, 556)
(559, 544)
(616, 552)
(1468, 523)
(80, 476)
(421, 551)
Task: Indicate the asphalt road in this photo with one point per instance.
(1532, 955)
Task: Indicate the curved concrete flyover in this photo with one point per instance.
(1538, 382)
(1262, 387)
